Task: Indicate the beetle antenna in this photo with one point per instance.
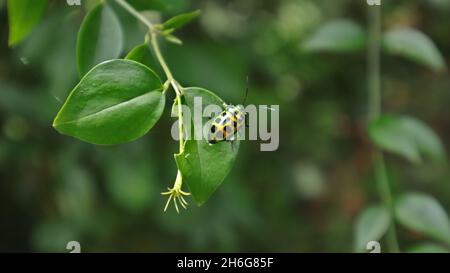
(246, 93)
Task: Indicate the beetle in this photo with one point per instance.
(226, 125)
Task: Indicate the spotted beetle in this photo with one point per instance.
(226, 125)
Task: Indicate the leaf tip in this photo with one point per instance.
(199, 204)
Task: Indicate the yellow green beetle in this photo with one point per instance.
(226, 125)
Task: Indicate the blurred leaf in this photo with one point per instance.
(423, 213)
(204, 166)
(100, 38)
(414, 45)
(439, 5)
(23, 16)
(173, 39)
(428, 248)
(407, 137)
(180, 20)
(142, 54)
(147, 5)
(309, 179)
(53, 40)
(167, 31)
(117, 101)
(39, 43)
(91, 4)
(371, 225)
(337, 36)
(161, 5)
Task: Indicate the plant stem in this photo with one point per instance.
(135, 13)
(174, 84)
(374, 62)
(159, 56)
(374, 100)
(176, 87)
(386, 196)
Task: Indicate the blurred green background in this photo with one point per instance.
(303, 197)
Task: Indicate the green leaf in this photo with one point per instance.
(337, 36)
(415, 46)
(423, 213)
(180, 20)
(173, 39)
(91, 4)
(371, 225)
(100, 38)
(116, 102)
(167, 31)
(407, 137)
(23, 16)
(142, 54)
(204, 166)
(149, 5)
(428, 248)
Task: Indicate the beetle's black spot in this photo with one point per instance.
(213, 129)
(224, 113)
(234, 124)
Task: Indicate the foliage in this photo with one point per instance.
(407, 137)
(337, 36)
(203, 166)
(23, 17)
(371, 225)
(116, 102)
(424, 214)
(100, 38)
(414, 45)
(121, 100)
(316, 193)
